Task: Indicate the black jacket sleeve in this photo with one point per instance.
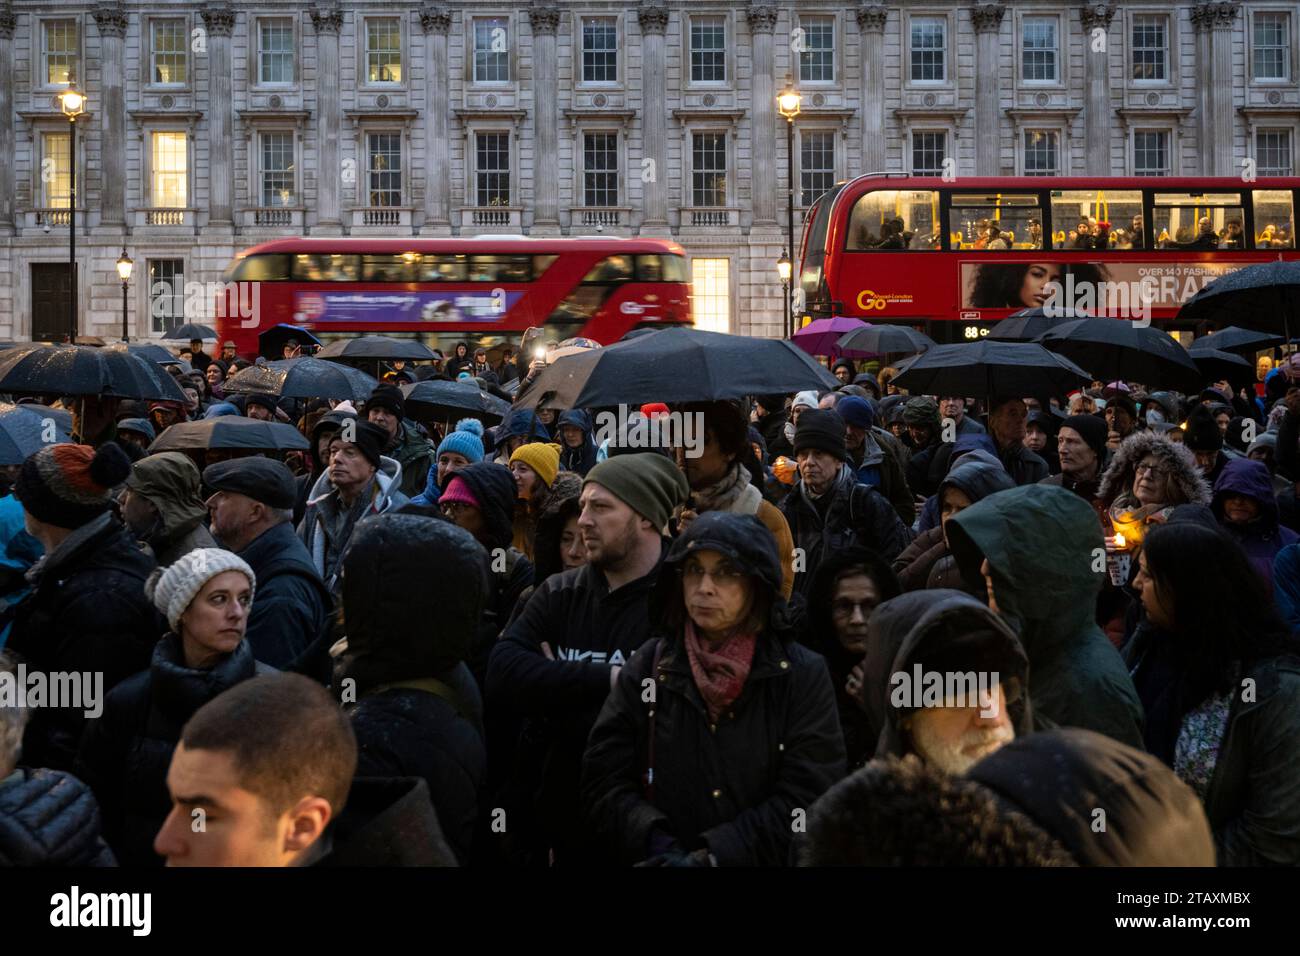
(284, 621)
(878, 522)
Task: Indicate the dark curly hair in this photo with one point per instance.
(998, 284)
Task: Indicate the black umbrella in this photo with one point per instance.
(271, 342)
(1236, 340)
(25, 430)
(1215, 365)
(85, 371)
(230, 431)
(189, 332)
(1118, 349)
(1264, 297)
(148, 351)
(882, 339)
(675, 365)
(1028, 324)
(990, 369)
(370, 348)
(302, 378)
(437, 400)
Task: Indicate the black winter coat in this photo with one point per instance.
(126, 752)
(49, 818)
(288, 625)
(386, 822)
(87, 614)
(733, 786)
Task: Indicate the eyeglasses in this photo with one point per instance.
(844, 608)
(1155, 471)
(724, 576)
(453, 508)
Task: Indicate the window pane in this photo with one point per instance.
(491, 53)
(60, 52)
(1274, 219)
(1198, 221)
(169, 46)
(929, 148)
(711, 294)
(895, 219)
(166, 294)
(264, 267)
(384, 168)
(1151, 153)
(1097, 219)
(600, 169)
(326, 268)
(708, 50)
(1039, 43)
(275, 51)
(277, 169)
(54, 157)
(599, 50)
(1042, 152)
(666, 268)
(384, 50)
(169, 180)
(817, 59)
(709, 169)
(1150, 47)
(929, 38)
(611, 269)
(816, 165)
(501, 268)
(997, 222)
(492, 169)
(1272, 46)
(1273, 152)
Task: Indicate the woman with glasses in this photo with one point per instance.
(1147, 477)
(721, 728)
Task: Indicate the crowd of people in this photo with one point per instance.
(513, 645)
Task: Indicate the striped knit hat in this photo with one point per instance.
(71, 485)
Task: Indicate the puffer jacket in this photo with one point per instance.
(170, 481)
(382, 494)
(49, 818)
(1264, 537)
(1116, 490)
(730, 787)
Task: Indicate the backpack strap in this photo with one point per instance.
(648, 778)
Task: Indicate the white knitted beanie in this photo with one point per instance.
(172, 589)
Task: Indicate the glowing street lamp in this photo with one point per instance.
(124, 265)
(788, 103)
(73, 105)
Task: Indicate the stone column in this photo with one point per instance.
(329, 172)
(763, 177)
(1202, 19)
(987, 20)
(1097, 111)
(436, 21)
(1221, 81)
(220, 21)
(871, 26)
(546, 117)
(653, 18)
(111, 22)
(7, 186)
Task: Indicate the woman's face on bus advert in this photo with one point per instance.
(1035, 291)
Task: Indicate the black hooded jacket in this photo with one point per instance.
(387, 822)
(289, 623)
(49, 818)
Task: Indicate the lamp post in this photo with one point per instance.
(788, 104)
(124, 265)
(72, 103)
(784, 268)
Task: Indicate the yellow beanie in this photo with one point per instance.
(541, 457)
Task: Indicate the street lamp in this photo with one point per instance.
(785, 268)
(124, 265)
(73, 105)
(788, 103)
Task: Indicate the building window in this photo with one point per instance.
(708, 169)
(599, 50)
(384, 50)
(1042, 152)
(277, 169)
(711, 294)
(1273, 152)
(1038, 42)
(491, 51)
(816, 165)
(929, 148)
(929, 49)
(384, 168)
(168, 170)
(275, 51)
(492, 169)
(817, 58)
(1151, 152)
(166, 294)
(600, 169)
(169, 41)
(1272, 47)
(59, 52)
(1150, 48)
(55, 181)
(708, 50)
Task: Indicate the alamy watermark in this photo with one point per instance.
(920, 689)
(208, 301)
(59, 690)
(629, 428)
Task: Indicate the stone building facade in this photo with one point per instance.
(213, 126)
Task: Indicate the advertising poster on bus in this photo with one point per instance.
(359, 308)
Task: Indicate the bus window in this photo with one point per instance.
(325, 268)
(657, 268)
(996, 222)
(1198, 221)
(541, 264)
(1096, 219)
(894, 219)
(1274, 219)
(610, 269)
(442, 268)
(501, 268)
(265, 267)
(390, 268)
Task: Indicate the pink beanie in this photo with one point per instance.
(457, 490)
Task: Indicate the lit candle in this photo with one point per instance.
(1120, 542)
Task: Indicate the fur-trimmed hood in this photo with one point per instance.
(1177, 460)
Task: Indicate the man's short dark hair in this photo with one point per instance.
(288, 738)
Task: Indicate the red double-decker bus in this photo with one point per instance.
(484, 289)
(952, 257)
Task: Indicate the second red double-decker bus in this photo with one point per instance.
(482, 289)
(953, 257)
